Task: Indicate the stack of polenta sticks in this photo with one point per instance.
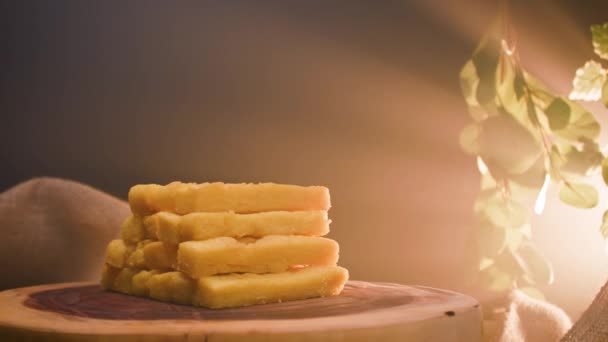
(225, 245)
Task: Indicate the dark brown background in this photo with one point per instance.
(359, 96)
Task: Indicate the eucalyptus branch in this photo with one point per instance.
(590, 83)
(521, 132)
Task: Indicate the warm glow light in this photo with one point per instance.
(485, 263)
(566, 235)
(481, 166)
(606, 247)
(505, 47)
(539, 206)
(587, 85)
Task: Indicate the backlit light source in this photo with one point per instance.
(541, 199)
(506, 48)
(481, 166)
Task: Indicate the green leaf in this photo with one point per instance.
(507, 98)
(604, 228)
(581, 124)
(477, 113)
(605, 170)
(507, 147)
(518, 85)
(535, 264)
(584, 162)
(599, 38)
(495, 279)
(485, 263)
(491, 239)
(543, 97)
(558, 114)
(469, 138)
(469, 81)
(501, 211)
(509, 261)
(485, 60)
(578, 195)
(557, 160)
(534, 177)
(588, 82)
(515, 236)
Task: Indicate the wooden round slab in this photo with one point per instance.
(363, 312)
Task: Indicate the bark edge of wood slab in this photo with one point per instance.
(363, 312)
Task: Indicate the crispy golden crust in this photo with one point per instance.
(185, 198)
(225, 291)
(270, 254)
(173, 228)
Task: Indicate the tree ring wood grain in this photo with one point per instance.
(364, 311)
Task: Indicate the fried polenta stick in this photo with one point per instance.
(173, 228)
(227, 291)
(185, 198)
(270, 254)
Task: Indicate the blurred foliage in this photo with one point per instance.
(524, 136)
(590, 83)
(599, 39)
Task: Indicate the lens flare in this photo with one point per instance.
(539, 206)
(481, 166)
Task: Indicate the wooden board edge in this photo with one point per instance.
(43, 321)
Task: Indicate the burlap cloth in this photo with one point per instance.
(592, 326)
(55, 230)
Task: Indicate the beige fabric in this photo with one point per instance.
(525, 319)
(55, 230)
(529, 320)
(593, 324)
